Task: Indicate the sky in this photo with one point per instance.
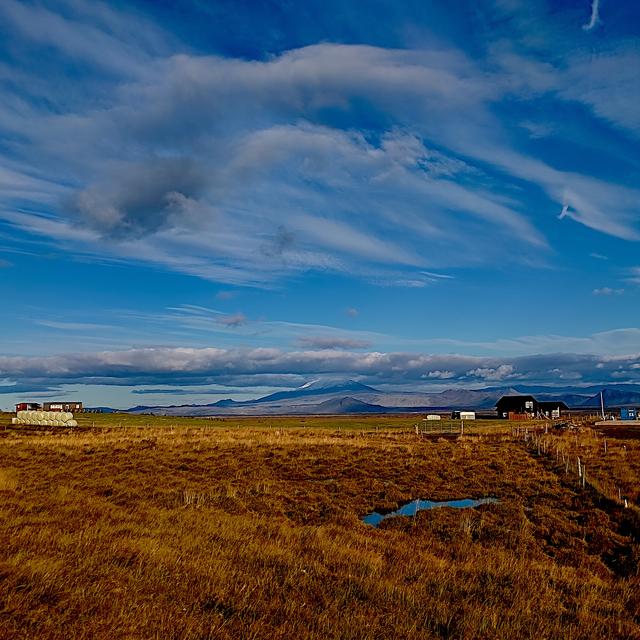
(207, 200)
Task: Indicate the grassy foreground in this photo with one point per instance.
(215, 531)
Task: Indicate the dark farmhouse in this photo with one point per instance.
(526, 407)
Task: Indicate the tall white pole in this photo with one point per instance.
(602, 404)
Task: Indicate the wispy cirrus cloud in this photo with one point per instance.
(234, 320)
(161, 165)
(607, 291)
(633, 275)
(74, 326)
(195, 326)
(595, 16)
(116, 42)
(332, 342)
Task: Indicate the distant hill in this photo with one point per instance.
(346, 406)
(349, 397)
(571, 400)
(100, 410)
(614, 398)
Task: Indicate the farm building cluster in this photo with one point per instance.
(528, 407)
(47, 414)
(514, 407)
(71, 407)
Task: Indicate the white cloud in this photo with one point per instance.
(501, 372)
(332, 342)
(633, 275)
(607, 291)
(440, 375)
(74, 326)
(234, 320)
(595, 16)
(252, 367)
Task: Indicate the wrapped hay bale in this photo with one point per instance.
(45, 418)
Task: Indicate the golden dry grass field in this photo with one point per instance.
(251, 528)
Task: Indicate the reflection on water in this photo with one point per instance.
(411, 508)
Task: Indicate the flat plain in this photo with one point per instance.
(142, 527)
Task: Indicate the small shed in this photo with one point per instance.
(552, 409)
(73, 407)
(27, 406)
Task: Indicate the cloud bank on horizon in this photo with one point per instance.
(311, 149)
(277, 368)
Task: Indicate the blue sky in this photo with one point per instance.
(218, 199)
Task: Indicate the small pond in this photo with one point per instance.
(411, 508)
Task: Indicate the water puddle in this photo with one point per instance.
(411, 508)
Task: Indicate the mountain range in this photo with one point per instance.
(342, 397)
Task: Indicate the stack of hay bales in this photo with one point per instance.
(45, 418)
